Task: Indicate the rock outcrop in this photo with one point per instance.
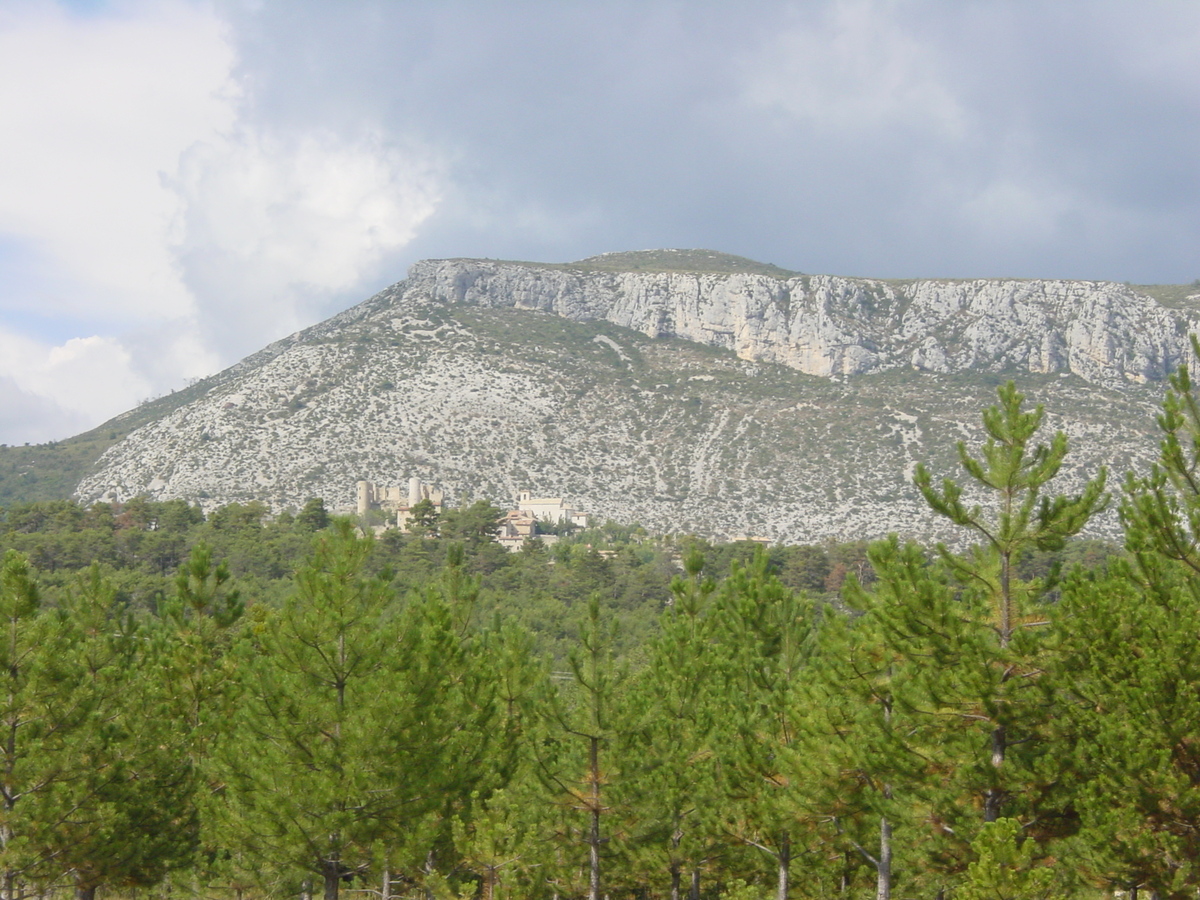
(827, 325)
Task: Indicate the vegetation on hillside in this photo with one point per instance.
(701, 262)
(1177, 296)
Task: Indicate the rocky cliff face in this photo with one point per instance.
(723, 403)
(826, 325)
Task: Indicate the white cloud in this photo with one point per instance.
(95, 108)
(169, 353)
(82, 381)
(853, 68)
(1015, 211)
(273, 225)
(29, 418)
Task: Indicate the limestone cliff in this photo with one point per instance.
(828, 325)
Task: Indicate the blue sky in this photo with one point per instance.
(182, 182)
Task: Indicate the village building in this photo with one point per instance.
(521, 524)
(550, 509)
(516, 527)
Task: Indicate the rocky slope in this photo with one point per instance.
(826, 325)
(688, 391)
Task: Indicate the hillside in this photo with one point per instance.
(687, 390)
(726, 402)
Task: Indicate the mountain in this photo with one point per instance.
(687, 390)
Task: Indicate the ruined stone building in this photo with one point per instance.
(396, 499)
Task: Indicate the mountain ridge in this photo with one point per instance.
(833, 325)
(675, 398)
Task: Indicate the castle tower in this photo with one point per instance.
(414, 491)
(363, 492)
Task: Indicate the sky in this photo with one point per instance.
(184, 181)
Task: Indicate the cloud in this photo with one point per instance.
(852, 67)
(1034, 140)
(32, 419)
(80, 382)
(273, 226)
(95, 109)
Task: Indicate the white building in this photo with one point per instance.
(550, 509)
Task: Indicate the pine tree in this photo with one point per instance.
(91, 781)
(1022, 517)
(1005, 869)
(124, 814)
(1131, 663)
(305, 774)
(968, 638)
(498, 836)
(672, 796)
(764, 638)
(41, 715)
(865, 761)
(365, 726)
(1125, 680)
(191, 649)
(467, 698)
(587, 720)
(500, 833)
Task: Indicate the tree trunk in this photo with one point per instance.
(385, 889)
(306, 890)
(785, 865)
(995, 795)
(676, 881)
(694, 894)
(9, 886)
(85, 892)
(594, 830)
(332, 873)
(429, 868)
(1006, 601)
(883, 870)
(594, 857)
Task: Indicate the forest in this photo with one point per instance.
(236, 707)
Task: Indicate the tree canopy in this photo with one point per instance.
(241, 706)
